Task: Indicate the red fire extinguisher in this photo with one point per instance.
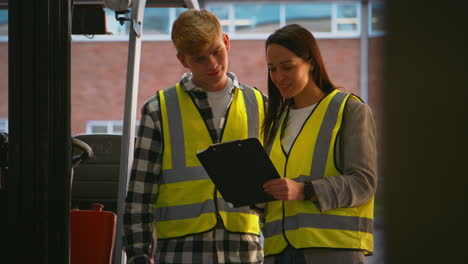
(92, 235)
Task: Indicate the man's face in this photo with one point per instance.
(209, 66)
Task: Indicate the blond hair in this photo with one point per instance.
(193, 30)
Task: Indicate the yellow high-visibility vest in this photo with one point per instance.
(187, 201)
(300, 223)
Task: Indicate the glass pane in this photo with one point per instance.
(99, 129)
(223, 14)
(3, 125)
(3, 22)
(378, 17)
(117, 128)
(256, 18)
(3, 71)
(156, 21)
(113, 26)
(179, 11)
(314, 17)
(347, 17)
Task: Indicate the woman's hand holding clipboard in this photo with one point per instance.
(239, 168)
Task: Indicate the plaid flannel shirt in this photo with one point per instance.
(215, 246)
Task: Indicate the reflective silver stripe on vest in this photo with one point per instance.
(181, 173)
(319, 161)
(194, 210)
(322, 145)
(175, 128)
(318, 167)
(228, 207)
(184, 211)
(251, 106)
(321, 221)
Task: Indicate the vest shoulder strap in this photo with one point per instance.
(356, 97)
(244, 86)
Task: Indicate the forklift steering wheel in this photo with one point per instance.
(86, 152)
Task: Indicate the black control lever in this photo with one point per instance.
(87, 152)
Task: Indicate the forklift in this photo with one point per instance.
(40, 161)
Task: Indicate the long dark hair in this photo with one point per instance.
(303, 44)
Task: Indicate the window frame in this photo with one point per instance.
(109, 124)
(3, 125)
(233, 35)
(4, 38)
(333, 34)
(372, 32)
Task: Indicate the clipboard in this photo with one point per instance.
(239, 168)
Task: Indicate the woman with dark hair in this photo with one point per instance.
(323, 144)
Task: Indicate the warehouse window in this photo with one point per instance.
(254, 18)
(3, 25)
(3, 125)
(377, 18)
(106, 126)
(347, 18)
(315, 17)
(258, 19)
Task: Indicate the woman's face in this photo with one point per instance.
(290, 73)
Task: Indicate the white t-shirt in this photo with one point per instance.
(294, 124)
(219, 102)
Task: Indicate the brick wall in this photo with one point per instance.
(99, 73)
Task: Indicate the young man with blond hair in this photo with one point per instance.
(170, 193)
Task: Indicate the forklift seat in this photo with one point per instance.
(97, 179)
